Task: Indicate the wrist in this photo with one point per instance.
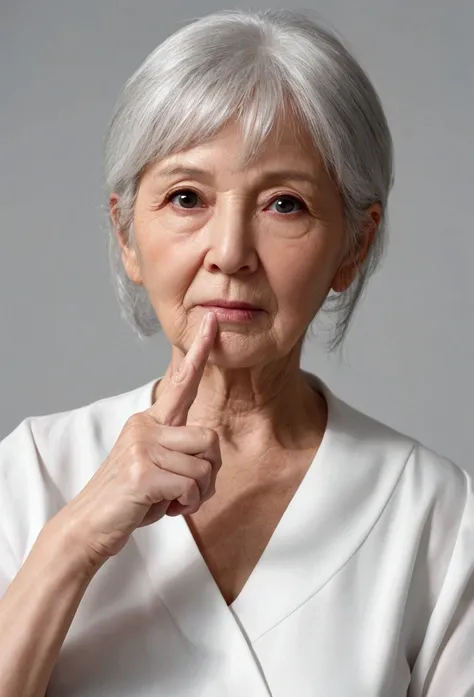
(61, 549)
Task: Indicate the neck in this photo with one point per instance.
(259, 408)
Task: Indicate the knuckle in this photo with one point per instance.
(135, 427)
(137, 452)
(135, 421)
(191, 490)
(209, 436)
(137, 474)
(204, 469)
(209, 493)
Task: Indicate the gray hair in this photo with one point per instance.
(253, 65)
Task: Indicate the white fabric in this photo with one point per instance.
(366, 588)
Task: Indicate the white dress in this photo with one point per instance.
(366, 588)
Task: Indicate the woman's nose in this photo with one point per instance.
(231, 246)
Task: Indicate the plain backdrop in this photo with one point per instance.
(408, 357)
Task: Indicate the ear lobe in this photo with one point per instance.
(131, 265)
(344, 277)
(348, 271)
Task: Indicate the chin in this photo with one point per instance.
(236, 351)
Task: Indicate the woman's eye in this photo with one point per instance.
(186, 198)
(286, 204)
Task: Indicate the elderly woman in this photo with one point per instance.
(234, 528)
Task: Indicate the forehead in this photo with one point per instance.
(287, 147)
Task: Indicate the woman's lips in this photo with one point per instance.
(233, 312)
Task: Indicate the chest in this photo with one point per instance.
(234, 527)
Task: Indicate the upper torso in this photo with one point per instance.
(343, 581)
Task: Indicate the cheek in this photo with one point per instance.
(301, 277)
(168, 266)
(167, 273)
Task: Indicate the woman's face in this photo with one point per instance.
(260, 235)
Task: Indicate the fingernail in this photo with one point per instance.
(206, 324)
(180, 374)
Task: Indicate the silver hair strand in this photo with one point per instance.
(254, 65)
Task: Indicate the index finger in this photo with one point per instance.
(171, 408)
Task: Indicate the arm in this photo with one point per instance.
(36, 613)
(152, 467)
(445, 665)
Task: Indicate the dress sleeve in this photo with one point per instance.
(445, 663)
(18, 474)
(9, 565)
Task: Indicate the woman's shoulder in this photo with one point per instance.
(96, 421)
(47, 459)
(419, 468)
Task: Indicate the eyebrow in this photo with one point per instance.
(269, 176)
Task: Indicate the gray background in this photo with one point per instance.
(408, 358)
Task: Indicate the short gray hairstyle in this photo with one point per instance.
(253, 65)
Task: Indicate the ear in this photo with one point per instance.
(129, 256)
(348, 271)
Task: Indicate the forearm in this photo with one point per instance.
(35, 615)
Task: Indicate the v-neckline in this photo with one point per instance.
(282, 507)
(235, 606)
(239, 601)
(331, 512)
